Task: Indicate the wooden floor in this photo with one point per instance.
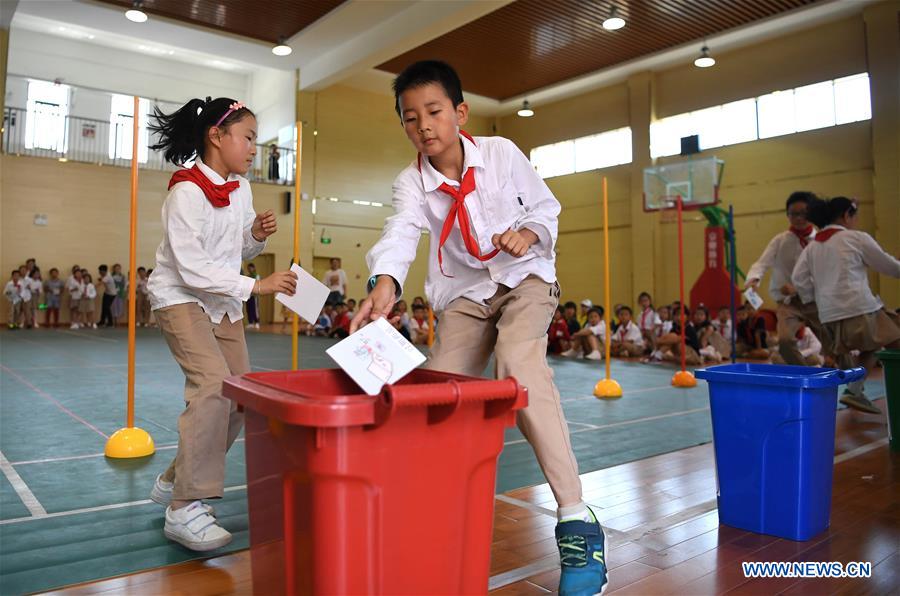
(663, 532)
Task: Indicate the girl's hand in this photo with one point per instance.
(264, 225)
(516, 243)
(280, 281)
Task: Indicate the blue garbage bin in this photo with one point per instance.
(773, 436)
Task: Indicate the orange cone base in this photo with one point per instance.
(607, 389)
(129, 443)
(684, 378)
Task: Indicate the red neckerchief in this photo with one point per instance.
(622, 329)
(459, 212)
(824, 235)
(803, 234)
(644, 314)
(216, 194)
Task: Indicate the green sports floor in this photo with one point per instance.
(69, 515)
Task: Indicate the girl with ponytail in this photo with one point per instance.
(833, 271)
(196, 292)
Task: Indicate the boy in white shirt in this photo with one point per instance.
(12, 291)
(833, 273)
(36, 285)
(75, 288)
(589, 341)
(648, 321)
(781, 256)
(336, 280)
(491, 279)
(627, 341)
(809, 345)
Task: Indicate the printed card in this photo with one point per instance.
(753, 298)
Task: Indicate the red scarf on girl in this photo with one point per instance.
(826, 234)
(803, 234)
(216, 194)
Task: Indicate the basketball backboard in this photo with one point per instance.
(696, 181)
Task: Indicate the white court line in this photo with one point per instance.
(88, 337)
(625, 393)
(18, 520)
(860, 450)
(623, 423)
(50, 460)
(28, 499)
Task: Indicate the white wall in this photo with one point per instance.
(271, 95)
(89, 65)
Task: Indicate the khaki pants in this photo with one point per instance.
(790, 317)
(207, 354)
(626, 349)
(513, 325)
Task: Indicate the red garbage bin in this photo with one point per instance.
(354, 494)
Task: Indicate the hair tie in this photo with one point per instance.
(232, 108)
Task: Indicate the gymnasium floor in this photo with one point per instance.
(69, 515)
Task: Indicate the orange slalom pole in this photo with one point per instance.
(295, 322)
(607, 387)
(130, 442)
(682, 378)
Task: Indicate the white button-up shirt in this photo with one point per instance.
(508, 194)
(780, 255)
(199, 258)
(834, 274)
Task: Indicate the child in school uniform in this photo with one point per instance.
(75, 289)
(627, 340)
(833, 273)
(36, 285)
(117, 308)
(53, 289)
(648, 320)
(196, 293)
(589, 341)
(110, 293)
(418, 326)
(88, 301)
(810, 348)
(13, 293)
(142, 299)
(669, 345)
(491, 279)
(558, 339)
(25, 295)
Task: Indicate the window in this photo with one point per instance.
(121, 125)
(779, 113)
(585, 153)
(45, 123)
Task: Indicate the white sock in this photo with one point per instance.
(579, 512)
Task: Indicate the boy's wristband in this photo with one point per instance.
(370, 285)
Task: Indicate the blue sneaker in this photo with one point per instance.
(582, 554)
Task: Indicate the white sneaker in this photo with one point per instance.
(595, 355)
(94, 325)
(162, 493)
(73, 326)
(572, 353)
(194, 528)
(37, 325)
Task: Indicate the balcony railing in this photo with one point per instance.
(47, 133)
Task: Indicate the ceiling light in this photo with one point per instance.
(614, 21)
(526, 111)
(136, 15)
(282, 49)
(704, 60)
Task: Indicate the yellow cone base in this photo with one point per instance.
(130, 443)
(684, 378)
(607, 389)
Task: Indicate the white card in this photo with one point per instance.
(753, 298)
(376, 355)
(309, 298)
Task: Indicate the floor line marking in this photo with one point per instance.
(625, 393)
(860, 450)
(50, 460)
(17, 520)
(49, 397)
(623, 423)
(27, 497)
(88, 337)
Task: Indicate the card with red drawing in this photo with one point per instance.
(376, 355)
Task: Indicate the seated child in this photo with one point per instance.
(809, 345)
(721, 338)
(570, 312)
(587, 341)
(669, 345)
(751, 335)
(707, 335)
(340, 326)
(418, 325)
(627, 340)
(323, 324)
(649, 321)
(558, 336)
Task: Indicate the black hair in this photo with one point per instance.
(424, 72)
(103, 268)
(642, 294)
(570, 304)
(14, 271)
(823, 213)
(597, 309)
(142, 268)
(418, 307)
(704, 309)
(800, 196)
(621, 308)
(52, 269)
(182, 134)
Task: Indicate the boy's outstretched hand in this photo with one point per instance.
(513, 242)
(264, 225)
(379, 303)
